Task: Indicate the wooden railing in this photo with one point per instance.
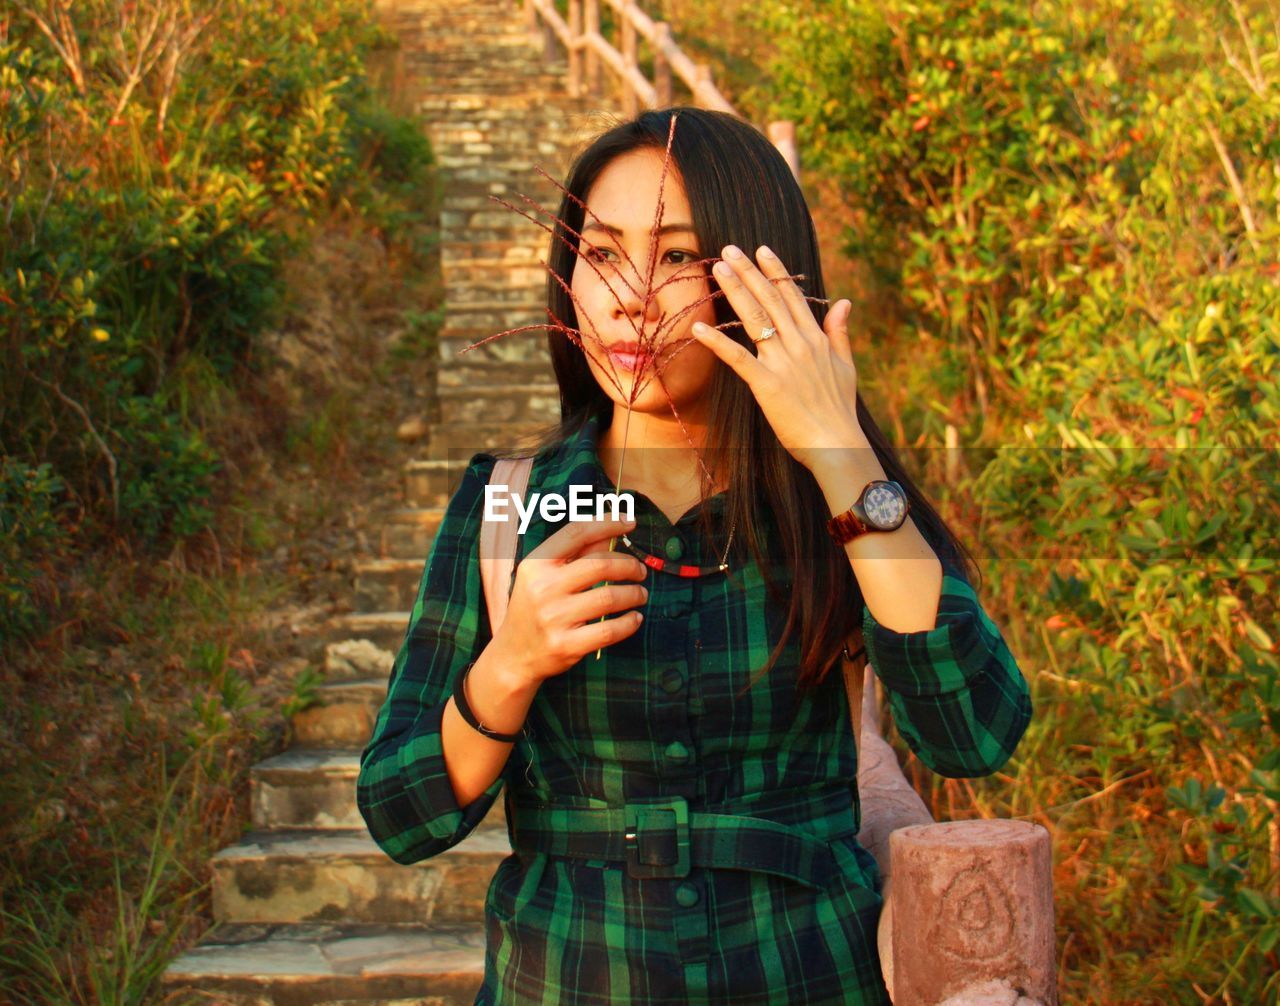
(588, 51)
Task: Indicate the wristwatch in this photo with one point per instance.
(881, 506)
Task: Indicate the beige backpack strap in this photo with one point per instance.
(498, 540)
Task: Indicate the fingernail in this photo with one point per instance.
(766, 251)
(722, 269)
(733, 251)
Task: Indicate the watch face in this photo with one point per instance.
(884, 507)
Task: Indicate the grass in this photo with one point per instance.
(131, 726)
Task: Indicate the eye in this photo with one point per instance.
(675, 256)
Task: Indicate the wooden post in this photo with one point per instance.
(530, 17)
(701, 79)
(783, 136)
(575, 53)
(548, 44)
(661, 68)
(593, 60)
(627, 29)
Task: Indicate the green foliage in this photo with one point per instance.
(30, 533)
(145, 227)
(1081, 205)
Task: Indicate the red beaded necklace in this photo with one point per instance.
(677, 568)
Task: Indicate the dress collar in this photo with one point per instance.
(577, 462)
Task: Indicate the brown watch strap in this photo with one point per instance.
(844, 527)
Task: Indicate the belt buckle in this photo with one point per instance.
(643, 817)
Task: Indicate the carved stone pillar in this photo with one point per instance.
(970, 919)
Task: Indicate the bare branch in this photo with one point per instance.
(1233, 179)
(61, 34)
(93, 432)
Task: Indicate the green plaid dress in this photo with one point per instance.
(664, 714)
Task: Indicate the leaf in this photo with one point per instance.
(1256, 633)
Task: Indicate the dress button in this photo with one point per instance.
(677, 752)
(672, 680)
(674, 548)
(686, 895)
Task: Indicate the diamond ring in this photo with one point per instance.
(768, 332)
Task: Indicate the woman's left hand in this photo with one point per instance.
(803, 378)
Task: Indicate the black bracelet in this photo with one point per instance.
(460, 700)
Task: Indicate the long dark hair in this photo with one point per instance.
(741, 191)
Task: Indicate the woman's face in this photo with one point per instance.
(613, 315)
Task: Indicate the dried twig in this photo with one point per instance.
(55, 24)
(93, 432)
(1233, 179)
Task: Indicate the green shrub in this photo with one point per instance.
(145, 232)
(1079, 207)
(30, 534)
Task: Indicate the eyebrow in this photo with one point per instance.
(664, 229)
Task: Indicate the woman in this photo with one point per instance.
(681, 787)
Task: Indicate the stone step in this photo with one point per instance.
(466, 192)
(474, 374)
(385, 629)
(539, 122)
(516, 141)
(516, 84)
(527, 346)
(525, 261)
(527, 255)
(430, 482)
(387, 584)
(342, 717)
(520, 403)
(318, 964)
(357, 660)
(529, 277)
(443, 104)
(409, 532)
(515, 163)
(528, 235)
(316, 788)
(467, 297)
(456, 440)
(490, 34)
(298, 875)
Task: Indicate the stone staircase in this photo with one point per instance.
(308, 910)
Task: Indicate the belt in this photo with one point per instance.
(662, 837)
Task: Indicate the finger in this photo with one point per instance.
(591, 605)
(735, 355)
(749, 310)
(836, 325)
(787, 290)
(599, 567)
(765, 294)
(577, 536)
(594, 635)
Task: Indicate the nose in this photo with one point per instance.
(632, 299)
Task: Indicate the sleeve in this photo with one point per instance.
(956, 693)
(403, 790)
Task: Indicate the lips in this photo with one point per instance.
(628, 356)
(628, 361)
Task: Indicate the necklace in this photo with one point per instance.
(680, 569)
(666, 565)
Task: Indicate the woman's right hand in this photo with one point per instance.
(553, 616)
